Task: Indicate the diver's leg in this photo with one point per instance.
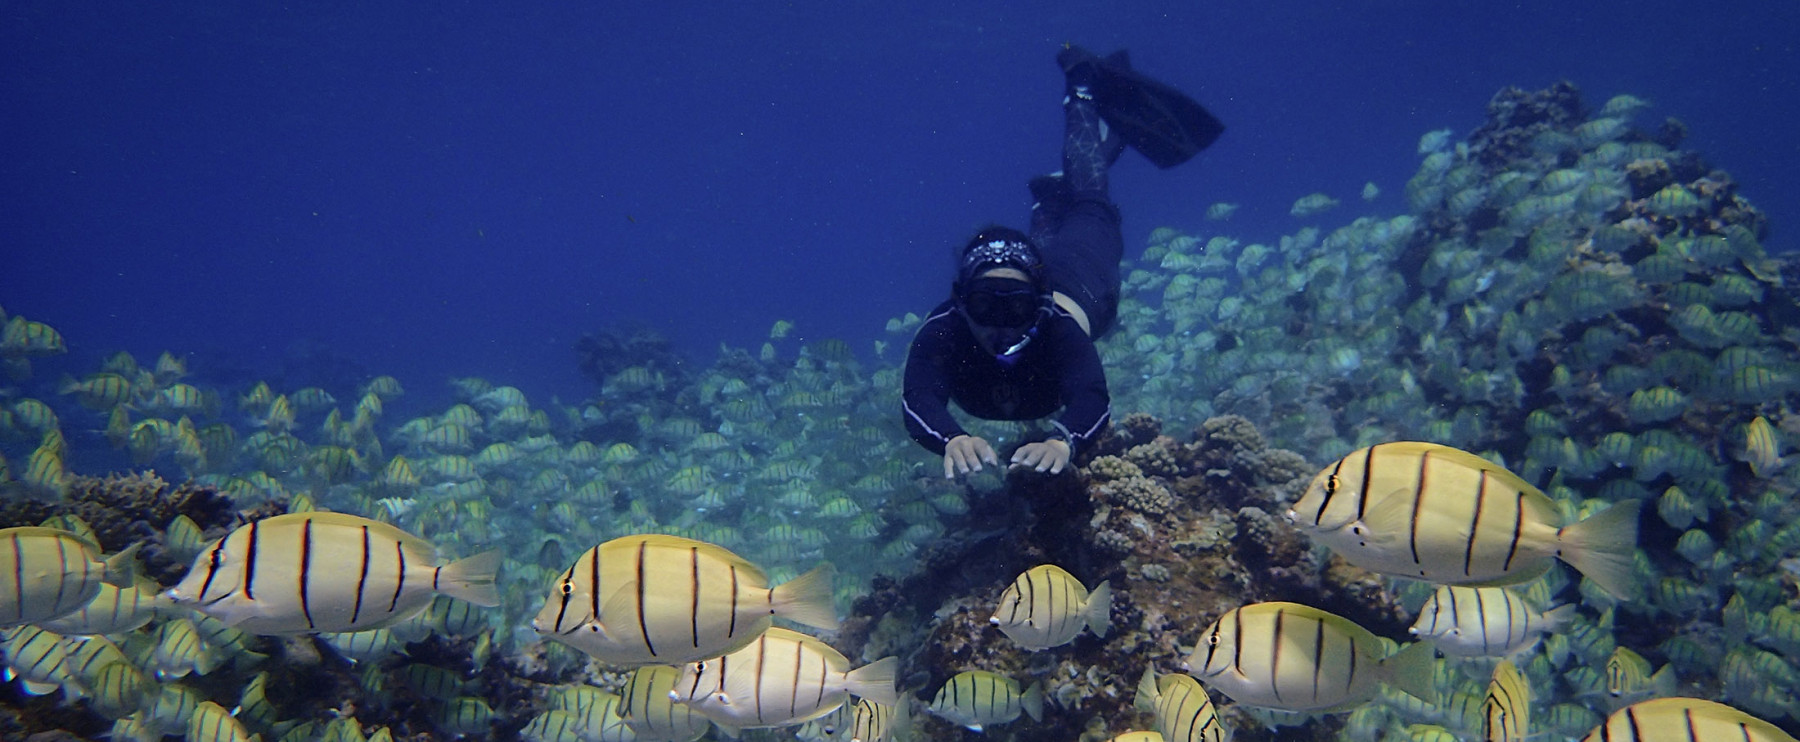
(1089, 150)
(1089, 146)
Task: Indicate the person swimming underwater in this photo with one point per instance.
(1015, 341)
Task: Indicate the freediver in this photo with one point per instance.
(1015, 341)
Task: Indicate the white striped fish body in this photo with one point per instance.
(783, 677)
(1485, 621)
(47, 573)
(321, 571)
(977, 698)
(212, 723)
(1684, 720)
(1047, 607)
(648, 710)
(655, 599)
(114, 610)
(1184, 712)
(1294, 657)
(1429, 512)
(1506, 712)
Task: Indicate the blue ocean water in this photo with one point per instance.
(467, 188)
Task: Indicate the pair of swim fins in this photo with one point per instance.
(1161, 123)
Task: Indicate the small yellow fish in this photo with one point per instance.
(1506, 712)
(648, 707)
(1629, 678)
(100, 391)
(1184, 712)
(1046, 607)
(977, 698)
(1762, 447)
(212, 723)
(1485, 621)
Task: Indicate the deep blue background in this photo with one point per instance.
(465, 188)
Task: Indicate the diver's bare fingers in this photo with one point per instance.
(987, 452)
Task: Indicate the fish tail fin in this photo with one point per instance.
(1410, 670)
(807, 599)
(1033, 701)
(1099, 610)
(472, 578)
(875, 681)
(1602, 548)
(1147, 694)
(1558, 618)
(121, 568)
(1663, 682)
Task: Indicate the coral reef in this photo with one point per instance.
(1175, 563)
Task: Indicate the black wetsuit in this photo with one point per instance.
(1081, 247)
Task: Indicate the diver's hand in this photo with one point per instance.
(964, 454)
(1050, 456)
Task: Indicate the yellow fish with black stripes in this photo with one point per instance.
(1299, 658)
(1684, 720)
(48, 573)
(1047, 607)
(1506, 712)
(326, 572)
(876, 722)
(1425, 511)
(648, 710)
(655, 599)
(977, 698)
(1485, 621)
(783, 677)
(1184, 712)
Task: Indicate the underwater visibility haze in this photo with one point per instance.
(491, 371)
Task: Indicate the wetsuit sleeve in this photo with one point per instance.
(1087, 406)
(925, 403)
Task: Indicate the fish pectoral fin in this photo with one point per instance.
(1388, 517)
(622, 602)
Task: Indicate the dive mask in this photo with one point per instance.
(1001, 302)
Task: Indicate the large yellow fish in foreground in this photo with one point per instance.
(326, 572)
(1423, 511)
(656, 599)
(1684, 720)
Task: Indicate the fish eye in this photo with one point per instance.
(1212, 640)
(1331, 484)
(568, 587)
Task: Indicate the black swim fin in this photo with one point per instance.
(1160, 122)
